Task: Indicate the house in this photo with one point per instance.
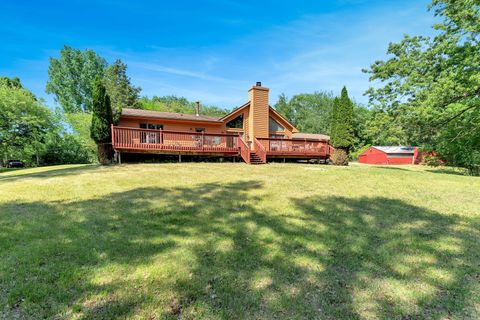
(389, 155)
(253, 132)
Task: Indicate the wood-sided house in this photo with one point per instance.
(254, 132)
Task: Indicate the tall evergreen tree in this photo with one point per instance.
(102, 120)
(342, 128)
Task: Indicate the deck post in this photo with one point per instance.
(119, 157)
(179, 158)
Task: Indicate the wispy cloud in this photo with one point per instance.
(176, 71)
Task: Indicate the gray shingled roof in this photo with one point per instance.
(399, 149)
(168, 115)
(315, 136)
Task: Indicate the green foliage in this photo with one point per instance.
(354, 155)
(177, 104)
(308, 112)
(119, 88)
(435, 83)
(71, 78)
(102, 114)
(24, 121)
(361, 115)
(80, 124)
(14, 83)
(63, 148)
(342, 122)
(381, 129)
(11, 82)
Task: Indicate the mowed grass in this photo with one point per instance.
(231, 241)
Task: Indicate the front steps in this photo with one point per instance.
(255, 159)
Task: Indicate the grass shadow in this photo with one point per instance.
(216, 251)
(451, 171)
(51, 171)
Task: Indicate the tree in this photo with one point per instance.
(102, 120)
(71, 78)
(284, 108)
(435, 83)
(177, 104)
(361, 117)
(308, 112)
(79, 124)
(24, 121)
(383, 129)
(119, 88)
(342, 128)
(14, 83)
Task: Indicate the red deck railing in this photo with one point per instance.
(260, 150)
(148, 139)
(244, 150)
(295, 147)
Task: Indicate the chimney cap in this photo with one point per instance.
(258, 84)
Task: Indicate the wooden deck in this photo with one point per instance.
(135, 140)
(292, 148)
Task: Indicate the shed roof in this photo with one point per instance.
(168, 115)
(314, 136)
(396, 149)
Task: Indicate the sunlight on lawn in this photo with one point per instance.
(235, 241)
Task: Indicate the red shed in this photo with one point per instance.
(389, 155)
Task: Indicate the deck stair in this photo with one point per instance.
(255, 159)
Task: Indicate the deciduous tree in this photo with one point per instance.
(71, 78)
(120, 89)
(435, 83)
(24, 121)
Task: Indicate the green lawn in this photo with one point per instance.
(219, 241)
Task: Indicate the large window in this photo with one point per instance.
(154, 126)
(274, 126)
(151, 136)
(236, 123)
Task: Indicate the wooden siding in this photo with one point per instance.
(173, 125)
(259, 112)
(288, 127)
(245, 112)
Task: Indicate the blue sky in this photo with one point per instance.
(212, 50)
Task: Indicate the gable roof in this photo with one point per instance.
(245, 105)
(394, 149)
(128, 112)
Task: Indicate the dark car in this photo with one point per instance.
(14, 164)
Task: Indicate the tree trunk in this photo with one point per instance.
(105, 153)
(340, 157)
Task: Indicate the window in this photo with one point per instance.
(275, 126)
(153, 126)
(236, 123)
(277, 136)
(151, 136)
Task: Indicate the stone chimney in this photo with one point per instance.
(197, 108)
(259, 112)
